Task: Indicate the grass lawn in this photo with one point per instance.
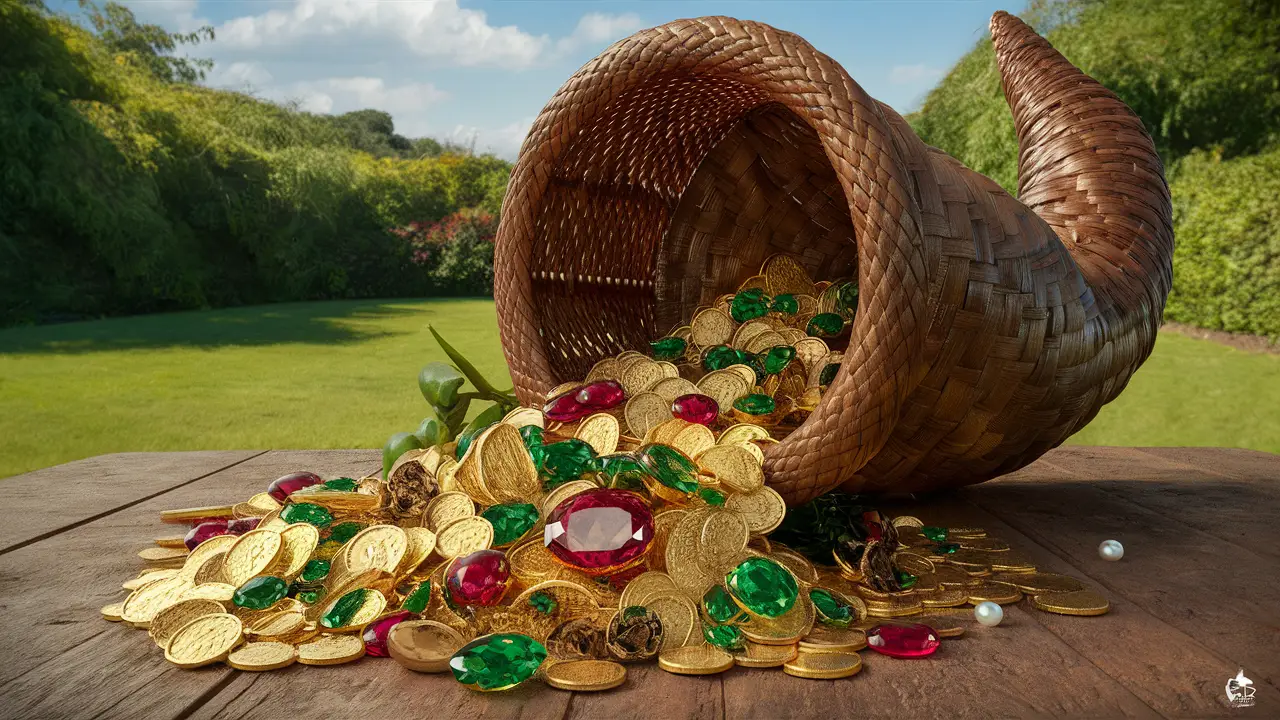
(343, 374)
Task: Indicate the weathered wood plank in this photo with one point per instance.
(61, 658)
(1235, 462)
(44, 501)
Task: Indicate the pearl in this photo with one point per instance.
(988, 613)
(1111, 550)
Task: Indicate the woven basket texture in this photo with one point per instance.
(989, 328)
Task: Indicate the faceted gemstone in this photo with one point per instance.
(260, 593)
(945, 548)
(718, 605)
(599, 531)
(314, 570)
(905, 579)
(309, 597)
(481, 578)
(906, 640)
(623, 470)
(825, 325)
(376, 632)
(565, 408)
(776, 359)
(317, 515)
(204, 531)
(669, 348)
(542, 602)
(240, 526)
(344, 531)
(727, 637)
(712, 497)
(847, 299)
(417, 599)
(785, 304)
(497, 662)
(281, 487)
(511, 521)
(601, 395)
(342, 484)
(831, 611)
(670, 467)
(696, 408)
(467, 437)
(344, 609)
(748, 305)
(828, 374)
(755, 404)
(722, 356)
(763, 587)
(936, 534)
(564, 461)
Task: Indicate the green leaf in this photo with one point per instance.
(397, 445)
(491, 415)
(439, 384)
(457, 415)
(432, 430)
(466, 367)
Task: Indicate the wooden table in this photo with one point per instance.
(1193, 601)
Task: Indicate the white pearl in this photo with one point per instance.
(988, 613)
(1111, 550)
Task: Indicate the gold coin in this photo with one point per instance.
(445, 508)
(250, 554)
(606, 369)
(824, 638)
(144, 603)
(798, 564)
(586, 675)
(374, 603)
(380, 547)
(695, 660)
(943, 597)
(754, 450)
(744, 372)
(146, 576)
(989, 544)
(907, 521)
(299, 541)
(524, 417)
(112, 612)
(672, 388)
(173, 543)
(274, 624)
(446, 476)
(167, 621)
(724, 537)
(264, 503)
(764, 341)
(331, 650)
(464, 536)
(711, 327)
(167, 557)
(571, 599)
(260, 656)
(783, 275)
(786, 629)
(895, 606)
(645, 410)
(1008, 562)
(506, 468)
(810, 351)
(669, 370)
(911, 563)
(683, 547)
(666, 431)
(764, 656)
(823, 665)
(531, 561)
(763, 509)
(965, 532)
(422, 542)
(747, 331)
(203, 641)
(723, 386)
(663, 523)
(601, 431)
(944, 576)
(215, 591)
(644, 586)
(214, 546)
(944, 626)
(1041, 583)
(733, 467)
(679, 618)
(184, 515)
(693, 439)
(563, 492)
(643, 374)
(423, 645)
(468, 476)
(1075, 602)
(996, 592)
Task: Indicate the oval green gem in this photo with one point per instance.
(669, 348)
(497, 662)
(712, 497)
(564, 461)
(542, 602)
(727, 637)
(344, 609)
(308, 596)
(748, 305)
(785, 304)
(825, 325)
(722, 356)
(510, 521)
(934, 533)
(260, 593)
(670, 467)
(344, 531)
(830, 609)
(828, 374)
(718, 605)
(417, 599)
(776, 359)
(311, 513)
(755, 404)
(314, 570)
(342, 484)
(763, 587)
(623, 470)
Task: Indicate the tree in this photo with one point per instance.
(150, 46)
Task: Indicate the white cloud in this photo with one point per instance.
(597, 29)
(919, 74)
(172, 15)
(240, 76)
(501, 141)
(408, 103)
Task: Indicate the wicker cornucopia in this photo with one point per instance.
(988, 329)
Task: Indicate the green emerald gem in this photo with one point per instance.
(718, 605)
(755, 404)
(466, 438)
(260, 593)
(344, 609)
(342, 484)
(785, 304)
(825, 325)
(669, 348)
(511, 521)
(945, 548)
(934, 533)
(831, 611)
(712, 497)
(623, 470)
(310, 513)
(344, 531)
(905, 579)
(670, 467)
(542, 602)
(722, 356)
(727, 637)
(564, 461)
(763, 587)
(315, 570)
(776, 359)
(847, 299)
(828, 373)
(748, 305)
(308, 596)
(416, 601)
(632, 612)
(497, 662)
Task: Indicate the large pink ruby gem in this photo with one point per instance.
(281, 487)
(903, 640)
(566, 408)
(240, 526)
(204, 531)
(481, 578)
(601, 395)
(376, 632)
(599, 531)
(696, 408)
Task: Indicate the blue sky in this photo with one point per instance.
(458, 69)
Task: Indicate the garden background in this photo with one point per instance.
(183, 267)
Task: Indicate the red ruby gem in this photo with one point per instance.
(376, 632)
(599, 531)
(240, 526)
(903, 640)
(481, 578)
(566, 408)
(280, 488)
(204, 531)
(601, 395)
(696, 408)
